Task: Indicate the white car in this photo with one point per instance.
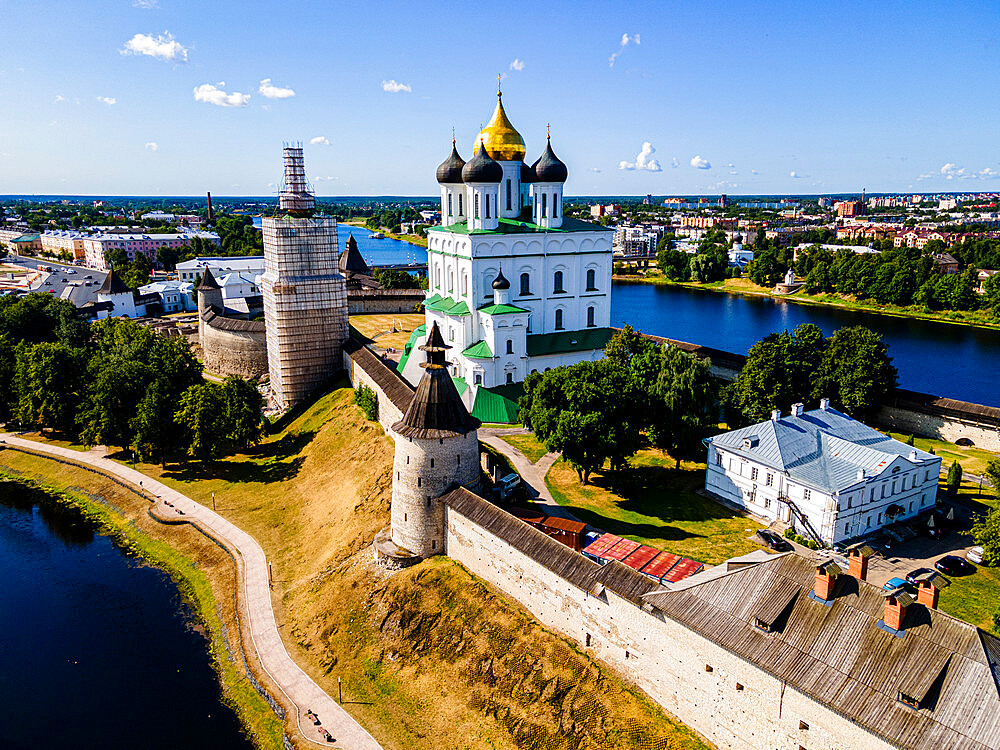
(975, 555)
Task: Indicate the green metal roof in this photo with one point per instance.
(432, 299)
(417, 334)
(562, 342)
(497, 405)
(448, 306)
(460, 385)
(479, 350)
(513, 226)
(26, 238)
(501, 309)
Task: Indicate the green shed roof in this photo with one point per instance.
(497, 405)
(448, 306)
(417, 334)
(479, 350)
(562, 342)
(460, 385)
(501, 309)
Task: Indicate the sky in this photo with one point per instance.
(177, 97)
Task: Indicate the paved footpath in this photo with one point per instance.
(297, 686)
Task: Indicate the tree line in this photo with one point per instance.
(603, 412)
(117, 383)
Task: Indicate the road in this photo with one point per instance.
(62, 277)
(300, 690)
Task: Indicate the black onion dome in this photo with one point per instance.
(449, 172)
(482, 168)
(500, 282)
(548, 168)
(526, 174)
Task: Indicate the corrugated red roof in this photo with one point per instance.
(682, 570)
(661, 565)
(602, 544)
(640, 557)
(620, 551)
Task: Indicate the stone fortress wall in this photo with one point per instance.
(233, 347)
(719, 694)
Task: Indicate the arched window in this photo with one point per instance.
(544, 204)
(487, 205)
(465, 285)
(477, 378)
(508, 195)
(557, 283)
(451, 282)
(437, 274)
(559, 324)
(460, 209)
(591, 280)
(510, 378)
(555, 207)
(510, 346)
(475, 207)
(590, 317)
(449, 204)
(525, 285)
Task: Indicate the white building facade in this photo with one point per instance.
(827, 475)
(513, 286)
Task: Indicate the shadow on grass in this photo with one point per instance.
(237, 471)
(623, 528)
(290, 445)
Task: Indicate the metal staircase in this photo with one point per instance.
(802, 517)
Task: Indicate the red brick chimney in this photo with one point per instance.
(826, 578)
(857, 560)
(896, 602)
(929, 586)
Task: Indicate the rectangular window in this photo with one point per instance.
(753, 474)
(769, 479)
(806, 494)
(487, 205)
(449, 204)
(508, 195)
(544, 205)
(767, 502)
(475, 215)
(718, 459)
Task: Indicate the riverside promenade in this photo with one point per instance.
(171, 506)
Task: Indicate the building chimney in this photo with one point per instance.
(824, 404)
(776, 415)
(211, 215)
(861, 475)
(797, 410)
(826, 578)
(857, 560)
(929, 586)
(913, 455)
(896, 602)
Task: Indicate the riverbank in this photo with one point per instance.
(413, 239)
(745, 287)
(203, 573)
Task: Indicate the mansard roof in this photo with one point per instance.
(113, 284)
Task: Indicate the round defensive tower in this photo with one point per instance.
(437, 450)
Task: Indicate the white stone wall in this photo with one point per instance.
(735, 705)
(950, 429)
(388, 412)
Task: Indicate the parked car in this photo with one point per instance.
(912, 576)
(954, 565)
(896, 583)
(773, 541)
(975, 555)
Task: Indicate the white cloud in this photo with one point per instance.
(518, 64)
(213, 95)
(626, 40)
(109, 100)
(59, 98)
(323, 179)
(162, 47)
(988, 173)
(594, 169)
(395, 87)
(698, 163)
(152, 146)
(754, 171)
(674, 162)
(271, 91)
(795, 175)
(320, 140)
(642, 160)
(146, 4)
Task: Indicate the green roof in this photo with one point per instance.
(26, 238)
(479, 350)
(448, 306)
(513, 226)
(497, 405)
(460, 385)
(432, 299)
(562, 342)
(417, 334)
(501, 309)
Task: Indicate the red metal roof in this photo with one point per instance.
(564, 524)
(682, 570)
(661, 564)
(640, 557)
(529, 515)
(602, 544)
(623, 549)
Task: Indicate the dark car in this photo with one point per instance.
(773, 541)
(954, 566)
(912, 576)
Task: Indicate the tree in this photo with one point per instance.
(47, 380)
(167, 257)
(856, 371)
(765, 270)
(243, 418)
(954, 479)
(156, 435)
(395, 278)
(684, 404)
(986, 533)
(706, 267)
(992, 473)
(201, 413)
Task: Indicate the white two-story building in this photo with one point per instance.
(824, 473)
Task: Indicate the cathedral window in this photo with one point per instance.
(557, 283)
(544, 205)
(508, 195)
(449, 204)
(476, 207)
(460, 211)
(487, 205)
(465, 285)
(510, 378)
(591, 280)
(590, 317)
(559, 320)
(525, 285)
(510, 346)
(555, 207)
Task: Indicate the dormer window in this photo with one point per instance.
(750, 442)
(907, 700)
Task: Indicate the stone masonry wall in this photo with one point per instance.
(942, 428)
(722, 696)
(388, 412)
(242, 353)
(369, 302)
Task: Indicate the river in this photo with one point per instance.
(96, 649)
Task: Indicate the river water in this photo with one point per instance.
(96, 650)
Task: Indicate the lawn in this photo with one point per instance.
(528, 445)
(387, 330)
(974, 598)
(973, 459)
(655, 504)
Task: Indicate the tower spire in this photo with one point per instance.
(499, 79)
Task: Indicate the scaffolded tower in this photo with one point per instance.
(305, 298)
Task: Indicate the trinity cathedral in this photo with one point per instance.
(514, 286)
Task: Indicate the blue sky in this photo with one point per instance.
(168, 97)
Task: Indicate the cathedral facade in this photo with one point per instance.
(514, 286)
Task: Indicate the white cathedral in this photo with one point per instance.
(513, 285)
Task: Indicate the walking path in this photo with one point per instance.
(533, 475)
(297, 686)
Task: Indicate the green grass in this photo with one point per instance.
(974, 598)
(528, 445)
(973, 459)
(655, 504)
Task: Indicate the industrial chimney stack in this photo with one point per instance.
(211, 214)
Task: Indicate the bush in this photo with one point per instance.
(986, 533)
(367, 401)
(909, 440)
(954, 480)
(789, 533)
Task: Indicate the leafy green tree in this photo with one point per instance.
(684, 404)
(114, 391)
(954, 479)
(992, 473)
(766, 270)
(856, 371)
(201, 413)
(156, 435)
(38, 317)
(48, 379)
(986, 533)
(706, 267)
(395, 278)
(243, 417)
(367, 401)
(167, 257)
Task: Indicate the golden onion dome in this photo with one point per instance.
(502, 142)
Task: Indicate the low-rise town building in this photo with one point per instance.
(96, 247)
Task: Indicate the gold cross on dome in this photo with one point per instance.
(499, 78)
(548, 130)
